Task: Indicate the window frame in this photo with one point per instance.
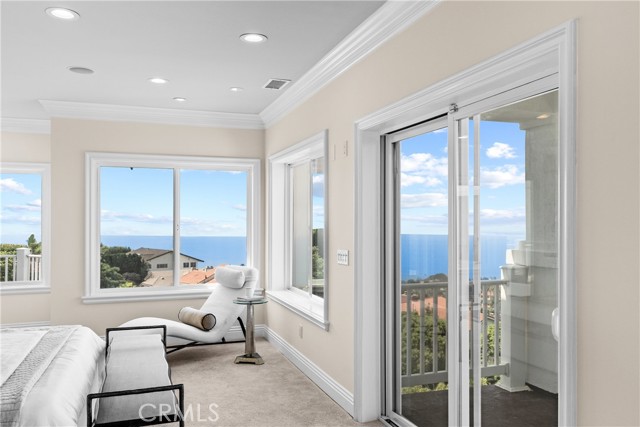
(44, 284)
(280, 289)
(95, 160)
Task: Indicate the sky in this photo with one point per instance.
(424, 181)
(139, 201)
(20, 202)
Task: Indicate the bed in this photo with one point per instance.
(46, 374)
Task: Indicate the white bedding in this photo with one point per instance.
(58, 397)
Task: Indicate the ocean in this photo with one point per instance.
(423, 255)
(213, 250)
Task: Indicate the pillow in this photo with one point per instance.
(230, 277)
(197, 318)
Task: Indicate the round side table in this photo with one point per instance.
(250, 355)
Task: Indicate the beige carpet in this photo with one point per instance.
(221, 393)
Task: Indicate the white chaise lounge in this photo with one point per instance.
(232, 281)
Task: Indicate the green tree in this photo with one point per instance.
(34, 245)
(110, 277)
(129, 267)
(317, 263)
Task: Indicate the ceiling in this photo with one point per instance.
(193, 44)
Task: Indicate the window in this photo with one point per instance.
(298, 228)
(142, 210)
(24, 227)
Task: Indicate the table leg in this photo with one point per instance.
(250, 355)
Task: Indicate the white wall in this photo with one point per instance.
(65, 149)
(451, 38)
(32, 148)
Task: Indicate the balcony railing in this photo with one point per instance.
(424, 306)
(21, 267)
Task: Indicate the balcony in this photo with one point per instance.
(507, 326)
(23, 267)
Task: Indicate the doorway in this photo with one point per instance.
(471, 265)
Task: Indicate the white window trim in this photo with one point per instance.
(553, 52)
(312, 308)
(44, 285)
(94, 160)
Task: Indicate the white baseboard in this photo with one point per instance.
(235, 332)
(25, 324)
(334, 390)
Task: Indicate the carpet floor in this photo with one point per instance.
(221, 393)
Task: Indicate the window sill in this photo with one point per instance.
(303, 306)
(114, 296)
(24, 288)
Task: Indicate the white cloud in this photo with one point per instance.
(407, 180)
(502, 214)
(501, 176)
(425, 164)
(318, 185)
(148, 218)
(20, 219)
(427, 219)
(11, 185)
(240, 207)
(422, 169)
(423, 200)
(500, 150)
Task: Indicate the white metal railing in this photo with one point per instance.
(21, 267)
(423, 298)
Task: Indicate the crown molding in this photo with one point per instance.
(389, 20)
(26, 125)
(91, 111)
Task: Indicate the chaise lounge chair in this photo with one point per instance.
(232, 281)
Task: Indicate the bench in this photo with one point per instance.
(137, 389)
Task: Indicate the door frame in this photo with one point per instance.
(552, 53)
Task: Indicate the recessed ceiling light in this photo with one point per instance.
(543, 116)
(158, 80)
(80, 70)
(236, 89)
(62, 13)
(253, 38)
(179, 99)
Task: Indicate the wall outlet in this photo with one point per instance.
(343, 257)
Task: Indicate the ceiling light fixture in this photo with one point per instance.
(62, 13)
(179, 99)
(158, 80)
(543, 116)
(253, 38)
(80, 70)
(236, 89)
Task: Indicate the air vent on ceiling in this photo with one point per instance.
(276, 84)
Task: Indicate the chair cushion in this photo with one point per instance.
(230, 278)
(197, 318)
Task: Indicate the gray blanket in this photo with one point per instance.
(19, 384)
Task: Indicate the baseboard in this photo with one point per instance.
(333, 389)
(25, 324)
(235, 332)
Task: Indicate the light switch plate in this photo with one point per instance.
(343, 257)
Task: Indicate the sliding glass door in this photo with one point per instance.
(472, 265)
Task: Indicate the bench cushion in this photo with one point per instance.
(135, 362)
